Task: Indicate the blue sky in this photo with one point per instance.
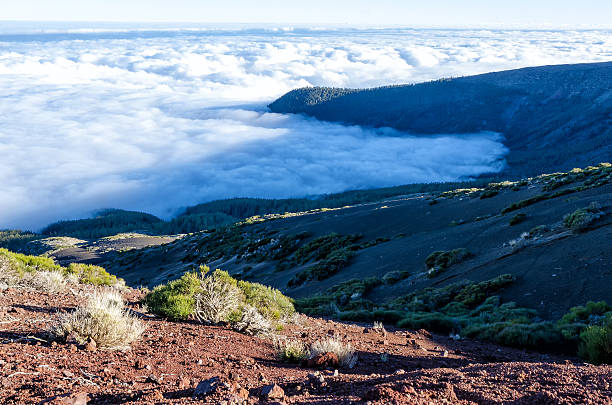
(524, 13)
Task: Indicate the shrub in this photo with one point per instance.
(89, 274)
(21, 265)
(251, 322)
(440, 260)
(488, 194)
(45, 281)
(596, 344)
(269, 301)
(346, 355)
(393, 277)
(517, 219)
(175, 300)
(217, 297)
(290, 351)
(582, 218)
(9, 276)
(517, 334)
(104, 320)
(214, 297)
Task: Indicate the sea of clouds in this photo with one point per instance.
(155, 120)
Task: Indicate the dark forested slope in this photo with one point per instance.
(553, 117)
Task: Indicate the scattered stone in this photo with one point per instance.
(91, 345)
(242, 393)
(80, 398)
(207, 387)
(323, 360)
(153, 379)
(72, 339)
(445, 353)
(183, 382)
(272, 391)
(425, 333)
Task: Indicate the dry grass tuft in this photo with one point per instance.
(290, 350)
(346, 355)
(103, 319)
(252, 322)
(45, 281)
(217, 299)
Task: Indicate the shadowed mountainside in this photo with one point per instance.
(553, 117)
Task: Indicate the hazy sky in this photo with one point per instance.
(532, 13)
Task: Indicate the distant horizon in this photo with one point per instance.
(558, 14)
(306, 25)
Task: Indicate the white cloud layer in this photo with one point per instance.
(159, 120)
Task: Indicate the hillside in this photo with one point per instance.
(556, 268)
(552, 117)
(487, 295)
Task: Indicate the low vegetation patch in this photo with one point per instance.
(43, 274)
(347, 358)
(581, 219)
(437, 262)
(291, 350)
(102, 319)
(596, 342)
(517, 219)
(333, 252)
(216, 297)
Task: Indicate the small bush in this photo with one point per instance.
(251, 322)
(440, 260)
(517, 219)
(582, 218)
(9, 276)
(346, 355)
(89, 274)
(596, 344)
(175, 300)
(488, 194)
(217, 297)
(291, 351)
(45, 281)
(393, 277)
(104, 320)
(269, 301)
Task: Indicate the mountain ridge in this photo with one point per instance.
(552, 117)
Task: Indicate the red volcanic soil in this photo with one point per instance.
(172, 358)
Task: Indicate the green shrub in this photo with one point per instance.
(596, 344)
(517, 334)
(393, 277)
(175, 300)
(440, 260)
(436, 322)
(85, 273)
(291, 351)
(517, 219)
(323, 247)
(582, 218)
(90, 274)
(525, 203)
(270, 302)
(488, 194)
(217, 297)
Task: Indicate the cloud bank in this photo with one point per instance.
(159, 120)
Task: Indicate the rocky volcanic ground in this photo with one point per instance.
(173, 358)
